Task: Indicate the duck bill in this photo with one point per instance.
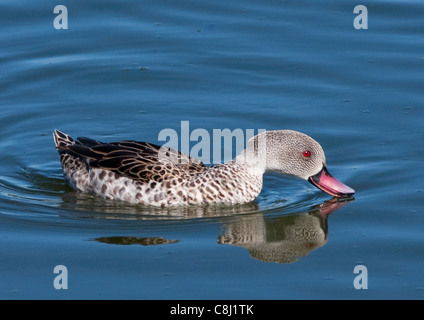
(326, 182)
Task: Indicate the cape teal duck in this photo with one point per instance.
(144, 173)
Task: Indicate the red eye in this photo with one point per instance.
(306, 154)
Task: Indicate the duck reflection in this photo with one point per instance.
(283, 239)
(267, 237)
(143, 241)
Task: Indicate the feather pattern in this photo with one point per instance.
(135, 160)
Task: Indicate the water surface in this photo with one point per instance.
(130, 70)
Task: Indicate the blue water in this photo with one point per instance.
(130, 70)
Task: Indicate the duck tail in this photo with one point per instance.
(62, 140)
(75, 170)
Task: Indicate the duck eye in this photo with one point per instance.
(306, 154)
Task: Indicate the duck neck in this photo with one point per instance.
(254, 156)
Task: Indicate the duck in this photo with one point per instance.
(148, 174)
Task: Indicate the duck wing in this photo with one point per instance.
(139, 161)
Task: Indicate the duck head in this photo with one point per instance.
(295, 154)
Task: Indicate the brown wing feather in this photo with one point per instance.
(137, 160)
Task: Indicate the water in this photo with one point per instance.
(129, 71)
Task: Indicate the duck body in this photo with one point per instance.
(147, 174)
(131, 171)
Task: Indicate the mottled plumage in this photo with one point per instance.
(144, 173)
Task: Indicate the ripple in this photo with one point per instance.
(45, 192)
